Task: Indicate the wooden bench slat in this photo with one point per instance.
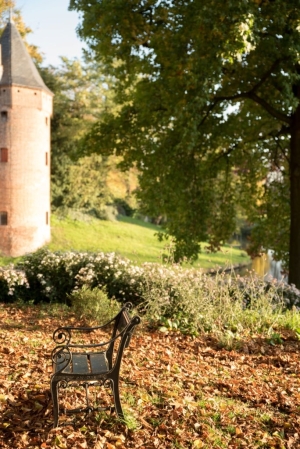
(80, 364)
(98, 363)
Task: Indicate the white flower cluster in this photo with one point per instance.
(10, 279)
(58, 274)
(171, 289)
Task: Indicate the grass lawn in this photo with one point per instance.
(131, 238)
(177, 392)
(128, 237)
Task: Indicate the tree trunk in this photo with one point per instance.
(294, 263)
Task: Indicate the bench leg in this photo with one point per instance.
(54, 394)
(116, 393)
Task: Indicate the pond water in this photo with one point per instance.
(265, 266)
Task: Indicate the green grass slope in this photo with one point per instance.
(128, 237)
(131, 238)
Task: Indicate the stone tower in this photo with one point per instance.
(25, 112)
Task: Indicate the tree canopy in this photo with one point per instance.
(209, 111)
(81, 94)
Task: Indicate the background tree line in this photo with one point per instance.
(82, 182)
(209, 112)
(203, 102)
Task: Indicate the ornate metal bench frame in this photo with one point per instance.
(91, 364)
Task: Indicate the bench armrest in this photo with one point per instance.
(62, 335)
(61, 358)
(128, 329)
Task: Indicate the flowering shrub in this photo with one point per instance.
(184, 299)
(53, 276)
(13, 284)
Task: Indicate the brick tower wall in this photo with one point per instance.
(25, 176)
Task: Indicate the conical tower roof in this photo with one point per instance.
(18, 67)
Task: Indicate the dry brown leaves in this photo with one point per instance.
(178, 392)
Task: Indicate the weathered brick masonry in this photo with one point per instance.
(25, 112)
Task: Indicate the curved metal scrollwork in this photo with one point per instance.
(61, 357)
(67, 383)
(64, 384)
(62, 336)
(128, 306)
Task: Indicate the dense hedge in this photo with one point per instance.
(51, 277)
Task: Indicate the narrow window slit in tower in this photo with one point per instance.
(47, 218)
(3, 219)
(46, 119)
(4, 116)
(3, 155)
(46, 158)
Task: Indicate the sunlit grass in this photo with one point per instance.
(129, 237)
(132, 239)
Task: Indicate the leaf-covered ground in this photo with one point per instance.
(177, 392)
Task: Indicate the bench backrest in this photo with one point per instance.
(112, 348)
(122, 331)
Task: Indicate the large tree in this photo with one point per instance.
(209, 97)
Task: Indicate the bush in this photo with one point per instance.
(191, 302)
(123, 207)
(93, 305)
(171, 296)
(13, 285)
(51, 276)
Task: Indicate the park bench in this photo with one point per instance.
(91, 364)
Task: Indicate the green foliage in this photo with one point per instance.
(51, 278)
(123, 206)
(172, 298)
(275, 339)
(208, 110)
(13, 285)
(93, 305)
(86, 187)
(274, 207)
(82, 182)
(168, 289)
(81, 93)
(191, 302)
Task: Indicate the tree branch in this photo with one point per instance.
(278, 144)
(251, 94)
(266, 75)
(272, 111)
